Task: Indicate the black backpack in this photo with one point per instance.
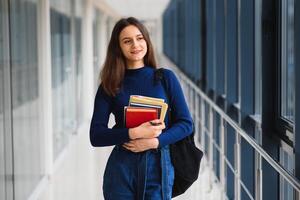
(185, 156)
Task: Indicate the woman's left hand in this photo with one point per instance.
(140, 145)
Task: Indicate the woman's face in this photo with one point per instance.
(133, 46)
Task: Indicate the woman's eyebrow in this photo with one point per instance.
(138, 35)
(126, 38)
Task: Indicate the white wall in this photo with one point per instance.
(149, 11)
(142, 9)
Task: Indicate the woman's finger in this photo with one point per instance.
(156, 121)
(158, 128)
(132, 149)
(127, 146)
(130, 146)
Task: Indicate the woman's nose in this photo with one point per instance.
(134, 43)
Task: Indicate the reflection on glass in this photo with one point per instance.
(27, 136)
(63, 75)
(288, 64)
(78, 60)
(96, 45)
(2, 161)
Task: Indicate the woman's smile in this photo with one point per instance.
(136, 51)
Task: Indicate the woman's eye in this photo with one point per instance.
(140, 38)
(127, 41)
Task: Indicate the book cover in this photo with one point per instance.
(149, 101)
(142, 105)
(135, 116)
(147, 98)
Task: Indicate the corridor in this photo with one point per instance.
(236, 61)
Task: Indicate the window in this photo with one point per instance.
(231, 52)
(26, 114)
(63, 74)
(287, 75)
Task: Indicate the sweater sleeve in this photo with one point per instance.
(182, 123)
(100, 134)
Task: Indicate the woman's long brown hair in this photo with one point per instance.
(114, 67)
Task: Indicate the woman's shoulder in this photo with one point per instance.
(168, 73)
(101, 92)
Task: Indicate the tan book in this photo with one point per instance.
(145, 97)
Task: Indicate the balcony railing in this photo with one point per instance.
(204, 110)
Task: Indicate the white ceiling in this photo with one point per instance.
(141, 9)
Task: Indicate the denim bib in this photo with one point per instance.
(138, 176)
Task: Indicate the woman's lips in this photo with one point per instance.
(136, 52)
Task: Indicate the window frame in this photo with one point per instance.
(258, 58)
(284, 127)
(7, 104)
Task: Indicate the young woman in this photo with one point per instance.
(139, 166)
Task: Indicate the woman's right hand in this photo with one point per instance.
(147, 130)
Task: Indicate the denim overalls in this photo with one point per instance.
(146, 175)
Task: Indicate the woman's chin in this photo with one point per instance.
(136, 58)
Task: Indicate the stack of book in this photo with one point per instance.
(142, 109)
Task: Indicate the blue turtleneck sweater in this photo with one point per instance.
(139, 82)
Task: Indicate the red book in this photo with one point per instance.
(135, 116)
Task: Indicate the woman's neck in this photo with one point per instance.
(135, 65)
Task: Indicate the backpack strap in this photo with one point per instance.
(159, 77)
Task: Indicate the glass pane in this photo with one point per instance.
(287, 161)
(63, 75)
(2, 161)
(288, 64)
(27, 137)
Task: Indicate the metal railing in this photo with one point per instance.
(196, 98)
